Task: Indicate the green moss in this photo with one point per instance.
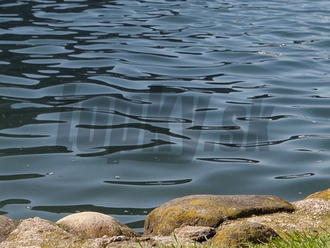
(322, 194)
(240, 232)
(210, 210)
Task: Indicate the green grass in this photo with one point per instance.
(294, 240)
(298, 240)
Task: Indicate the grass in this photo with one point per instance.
(298, 240)
(294, 240)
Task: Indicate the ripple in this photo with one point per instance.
(150, 128)
(214, 128)
(43, 61)
(230, 160)
(19, 177)
(13, 80)
(155, 119)
(151, 183)
(270, 143)
(272, 118)
(33, 30)
(22, 135)
(33, 150)
(163, 88)
(107, 150)
(13, 201)
(42, 50)
(295, 176)
(82, 208)
(206, 109)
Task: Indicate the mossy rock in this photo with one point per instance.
(36, 232)
(240, 233)
(210, 210)
(311, 215)
(94, 225)
(7, 225)
(325, 195)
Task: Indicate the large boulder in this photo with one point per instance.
(94, 225)
(210, 210)
(240, 233)
(36, 233)
(7, 225)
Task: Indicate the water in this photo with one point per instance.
(119, 106)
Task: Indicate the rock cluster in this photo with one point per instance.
(201, 220)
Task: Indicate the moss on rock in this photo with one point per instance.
(180, 222)
(325, 195)
(311, 215)
(210, 210)
(239, 233)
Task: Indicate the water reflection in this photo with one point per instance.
(151, 183)
(166, 89)
(19, 176)
(82, 208)
(295, 176)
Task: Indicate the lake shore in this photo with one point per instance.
(197, 220)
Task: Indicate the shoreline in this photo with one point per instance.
(199, 220)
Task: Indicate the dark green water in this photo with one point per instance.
(119, 106)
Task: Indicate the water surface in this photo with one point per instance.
(119, 106)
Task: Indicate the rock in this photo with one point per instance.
(195, 233)
(311, 215)
(239, 233)
(210, 210)
(145, 242)
(94, 225)
(325, 195)
(36, 233)
(170, 241)
(6, 227)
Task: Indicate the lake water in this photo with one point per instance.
(119, 106)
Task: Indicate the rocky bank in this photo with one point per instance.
(200, 220)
